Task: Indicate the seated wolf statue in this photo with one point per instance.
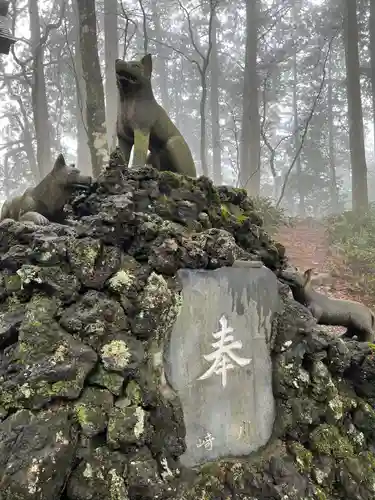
(45, 202)
(142, 122)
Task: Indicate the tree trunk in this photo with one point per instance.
(38, 95)
(372, 53)
(95, 110)
(27, 138)
(111, 54)
(250, 133)
(356, 136)
(83, 160)
(160, 60)
(7, 176)
(202, 109)
(331, 146)
(297, 145)
(214, 98)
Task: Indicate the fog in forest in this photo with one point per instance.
(273, 96)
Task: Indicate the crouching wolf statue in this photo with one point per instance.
(45, 202)
(356, 317)
(143, 122)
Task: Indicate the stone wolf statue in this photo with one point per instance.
(142, 122)
(45, 202)
(356, 317)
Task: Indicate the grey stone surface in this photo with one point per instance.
(227, 399)
(247, 263)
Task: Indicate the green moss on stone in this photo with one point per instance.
(110, 380)
(134, 393)
(225, 213)
(303, 457)
(82, 414)
(12, 283)
(241, 218)
(327, 440)
(319, 494)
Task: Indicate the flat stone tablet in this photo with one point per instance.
(218, 361)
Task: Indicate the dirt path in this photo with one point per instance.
(307, 247)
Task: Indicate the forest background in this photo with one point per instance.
(274, 96)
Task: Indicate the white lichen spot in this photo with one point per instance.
(307, 417)
(46, 256)
(337, 407)
(28, 274)
(300, 461)
(356, 436)
(303, 376)
(25, 390)
(140, 425)
(285, 346)
(87, 257)
(60, 438)
(319, 476)
(96, 328)
(166, 472)
(116, 353)
(117, 486)
(32, 475)
(121, 280)
(157, 359)
(59, 354)
(88, 472)
(156, 293)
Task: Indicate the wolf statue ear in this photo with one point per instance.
(307, 275)
(60, 162)
(147, 65)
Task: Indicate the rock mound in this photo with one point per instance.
(84, 308)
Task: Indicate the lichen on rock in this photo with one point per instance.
(85, 313)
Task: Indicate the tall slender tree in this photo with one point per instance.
(356, 135)
(214, 101)
(38, 93)
(111, 54)
(95, 110)
(250, 132)
(372, 55)
(331, 143)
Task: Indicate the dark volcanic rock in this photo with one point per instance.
(36, 454)
(85, 413)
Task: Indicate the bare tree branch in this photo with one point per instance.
(309, 118)
(144, 18)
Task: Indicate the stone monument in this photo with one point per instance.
(218, 360)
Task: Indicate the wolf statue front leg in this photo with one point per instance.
(34, 217)
(125, 148)
(28, 212)
(141, 144)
